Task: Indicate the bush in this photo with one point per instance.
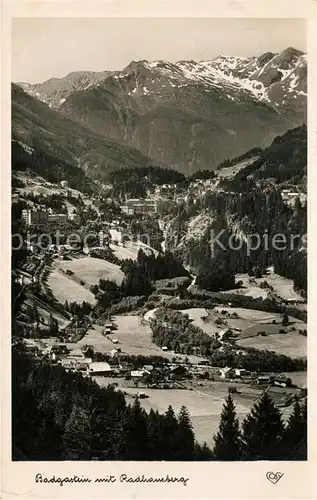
(127, 304)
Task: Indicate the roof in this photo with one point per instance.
(226, 369)
(138, 373)
(177, 368)
(100, 367)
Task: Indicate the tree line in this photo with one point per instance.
(135, 182)
(263, 435)
(63, 416)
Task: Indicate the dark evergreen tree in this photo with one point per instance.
(48, 442)
(134, 439)
(52, 325)
(184, 438)
(157, 445)
(295, 434)
(77, 435)
(35, 315)
(262, 431)
(227, 440)
(170, 427)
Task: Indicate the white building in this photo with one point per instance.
(100, 368)
(139, 373)
(241, 372)
(226, 372)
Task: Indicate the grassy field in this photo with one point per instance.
(130, 250)
(230, 171)
(204, 405)
(249, 289)
(251, 322)
(90, 269)
(251, 314)
(298, 378)
(196, 315)
(133, 335)
(291, 344)
(283, 287)
(64, 289)
(247, 318)
(254, 330)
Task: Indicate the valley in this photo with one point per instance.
(147, 278)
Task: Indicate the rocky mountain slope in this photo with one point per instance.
(37, 126)
(188, 115)
(55, 90)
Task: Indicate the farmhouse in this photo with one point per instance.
(242, 372)
(226, 372)
(109, 327)
(59, 349)
(282, 381)
(125, 368)
(178, 371)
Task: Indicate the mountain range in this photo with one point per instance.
(187, 115)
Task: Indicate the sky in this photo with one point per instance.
(43, 48)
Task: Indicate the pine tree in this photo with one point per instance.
(134, 443)
(263, 431)
(295, 435)
(157, 445)
(77, 435)
(184, 438)
(170, 427)
(52, 325)
(48, 440)
(227, 440)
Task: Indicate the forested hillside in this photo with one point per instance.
(250, 205)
